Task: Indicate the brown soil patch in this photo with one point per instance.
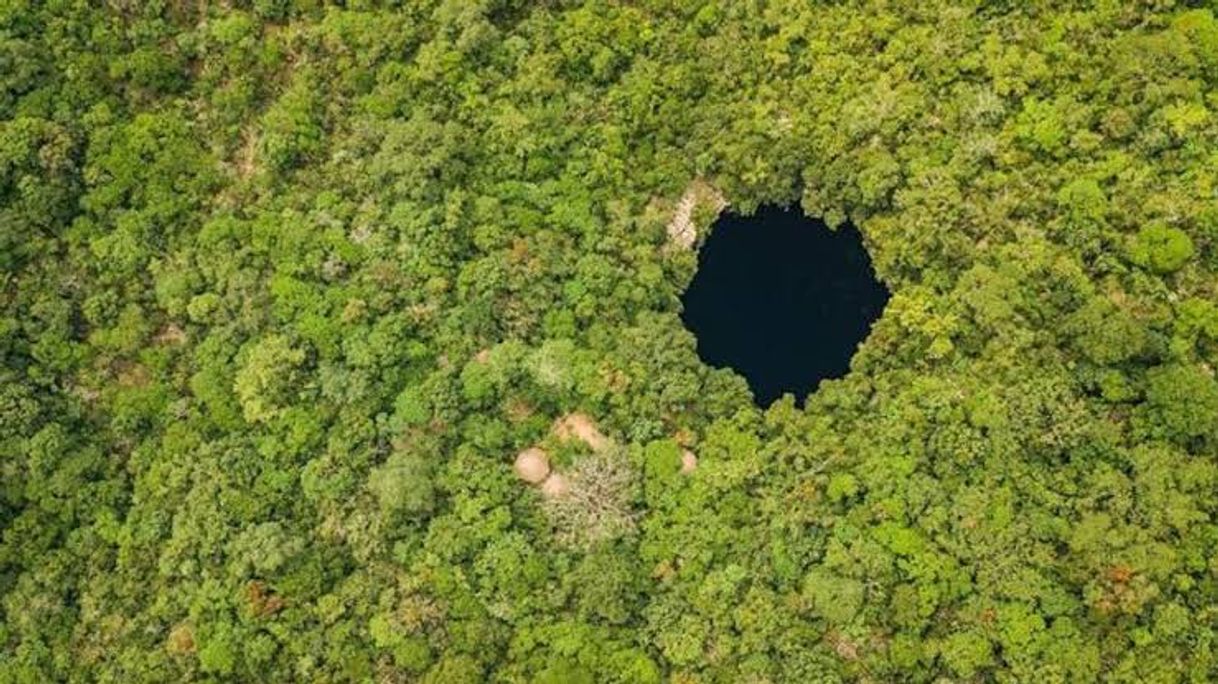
(532, 465)
(580, 426)
(689, 462)
(555, 485)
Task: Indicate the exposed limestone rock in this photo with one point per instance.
(682, 232)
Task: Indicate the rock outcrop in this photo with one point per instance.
(682, 231)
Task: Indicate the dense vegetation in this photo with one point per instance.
(286, 288)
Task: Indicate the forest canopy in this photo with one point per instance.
(287, 289)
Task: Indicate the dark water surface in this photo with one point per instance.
(782, 300)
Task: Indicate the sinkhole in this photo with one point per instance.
(782, 299)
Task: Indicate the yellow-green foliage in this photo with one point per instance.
(285, 286)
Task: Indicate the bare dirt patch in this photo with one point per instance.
(580, 426)
(689, 462)
(555, 485)
(532, 465)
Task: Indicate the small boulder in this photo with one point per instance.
(532, 465)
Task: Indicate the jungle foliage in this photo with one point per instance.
(286, 286)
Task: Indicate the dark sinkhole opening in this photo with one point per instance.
(782, 300)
